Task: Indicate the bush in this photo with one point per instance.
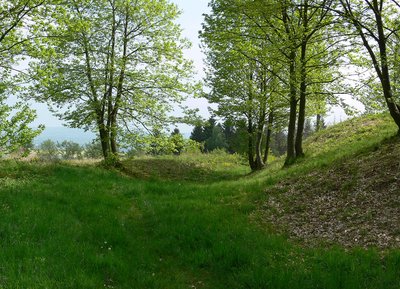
(48, 150)
(70, 150)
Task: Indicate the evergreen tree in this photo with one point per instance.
(198, 134)
(178, 142)
(209, 127)
(216, 140)
(230, 136)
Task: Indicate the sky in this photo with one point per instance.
(190, 21)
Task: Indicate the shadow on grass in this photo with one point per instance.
(180, 170)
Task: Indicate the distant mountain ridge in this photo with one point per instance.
(80, 136)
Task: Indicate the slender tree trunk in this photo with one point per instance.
(250, 144)
(385, 78)
(259, 138)
(290, 156)
(121, 78)
(111, 118)
(302, 106)
(113, 136)
(318, 122)
(381, 65)
(268, 137)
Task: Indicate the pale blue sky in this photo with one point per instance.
(190, 21)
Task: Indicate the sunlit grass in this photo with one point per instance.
(186, 224)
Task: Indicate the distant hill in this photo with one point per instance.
(59, 134)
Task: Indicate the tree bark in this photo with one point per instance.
(290, 156)
(381, 65)
(104, 138)
(318, 123)
(250, 144)
(385, 79)
(302, 106)
(268, 137)
(259, 138)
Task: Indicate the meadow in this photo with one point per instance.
(193, 221)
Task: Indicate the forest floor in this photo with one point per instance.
(204, 221)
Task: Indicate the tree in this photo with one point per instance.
(93, 150)
(114, 64)
(230, 134)
(15, 132)
(177, 141)
(268, 56)
(14, 119)
(197, 134)
(48, 150)
(239, 71)
(70, 150)
(216, 140)
(209, 128)
(376, 23)
(14, 16)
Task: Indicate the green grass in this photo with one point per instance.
(190, 224)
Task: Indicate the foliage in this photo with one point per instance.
(48, 150)
(70, 150)
(216, 140)
(93, 150)
(197, 134)
(177, 141)
(268, 62)
(113, 65)
(376, 24)
(15, 132)
(160, 143)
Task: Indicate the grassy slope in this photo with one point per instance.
(84, 227)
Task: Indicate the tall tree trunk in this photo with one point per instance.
(259, 138)
(290, 156)
(381, 65)
(394, 109)
(104, 137)
(250, 144)
(121, 78)
(111, 118)
(113, 136)
(268, 137)
(302, 106)
(318, 122)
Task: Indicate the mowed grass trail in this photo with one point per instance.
(64, 226)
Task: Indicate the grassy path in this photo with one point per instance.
(71, 227)
(64, 226)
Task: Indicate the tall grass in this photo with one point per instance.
(64, 226)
